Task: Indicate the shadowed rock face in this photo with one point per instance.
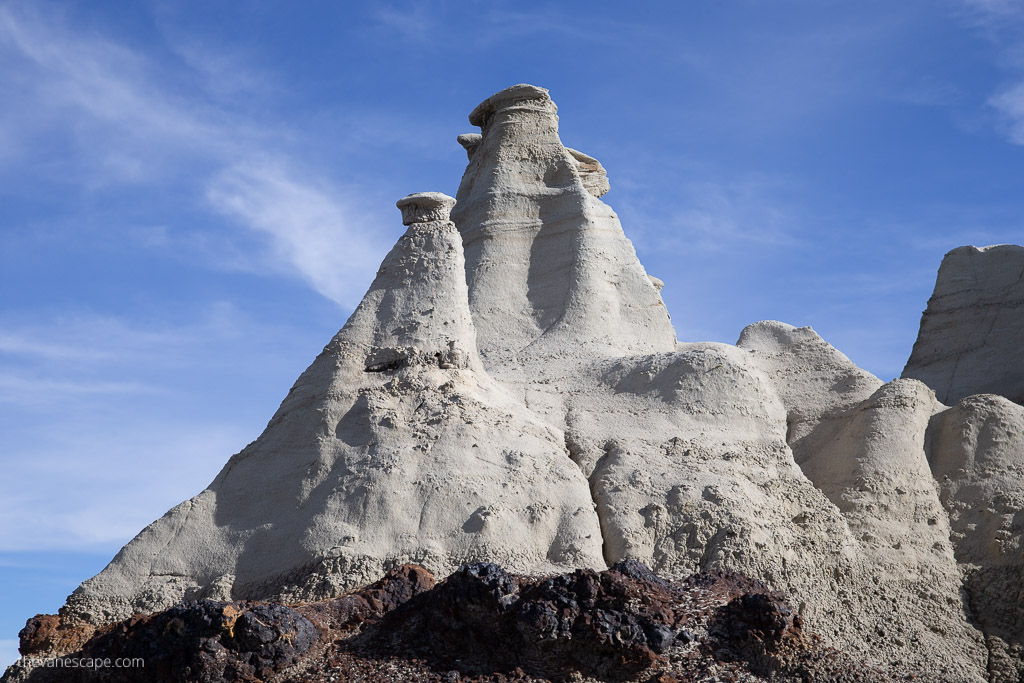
(971, 332)
(510, 390)
(976, 449)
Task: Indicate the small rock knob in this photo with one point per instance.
(425, 207)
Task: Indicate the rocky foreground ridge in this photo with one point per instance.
(511, 390)
(479, 624)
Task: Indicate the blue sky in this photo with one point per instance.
(193, 196)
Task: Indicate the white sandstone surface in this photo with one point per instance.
(972, 332)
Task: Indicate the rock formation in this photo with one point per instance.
(482, 624)
(393, 446)
(976, 450)
(511, 390)
(971, 332)
(549, 269)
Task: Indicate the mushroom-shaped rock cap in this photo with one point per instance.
(504, 98)
(425, 207)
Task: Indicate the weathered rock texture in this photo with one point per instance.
(529, 404)
(480, 624)
(976, 450)
(394, 446)
(548, 266)
(972, 331)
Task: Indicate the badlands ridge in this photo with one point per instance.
(511, 390)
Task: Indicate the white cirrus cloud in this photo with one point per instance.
(134, 120)
(1009, 103)
(309, 229)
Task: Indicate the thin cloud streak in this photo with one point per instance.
(31, 390)
(713, 217)
(139, 478)
(135, 131)
(1002, 22)
(1010, 105)
(307, 227)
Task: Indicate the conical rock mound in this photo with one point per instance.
(394, 446)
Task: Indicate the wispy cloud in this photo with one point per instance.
(415, 21)
(1009, 103)
(24, 389)
(137, 121)
(307, 227)
(740, 215)
(151, 467)
(104, 95)
(100, 434)
(724, 217)
(1002, 22)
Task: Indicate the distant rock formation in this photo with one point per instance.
(972, 332)
(511, 390)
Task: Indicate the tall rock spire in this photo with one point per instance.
(549, 267)
(393, 446)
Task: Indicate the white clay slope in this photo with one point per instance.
(394, 446)
(977, 454)
(687, 447)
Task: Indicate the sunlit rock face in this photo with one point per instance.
(393, 446)
(548, 265)
(972, 332)
(511, 390)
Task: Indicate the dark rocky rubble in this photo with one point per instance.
(480, 624)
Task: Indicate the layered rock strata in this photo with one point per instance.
(549, 269)
(971, 332)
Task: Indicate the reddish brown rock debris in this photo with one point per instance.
(46, 633)
(480, 624)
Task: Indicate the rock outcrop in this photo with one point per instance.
(976, 450)
(394, 446)
(481, 624)
(971, 332)
(549, 269)
(511, 390)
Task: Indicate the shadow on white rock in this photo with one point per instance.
(976, 450)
